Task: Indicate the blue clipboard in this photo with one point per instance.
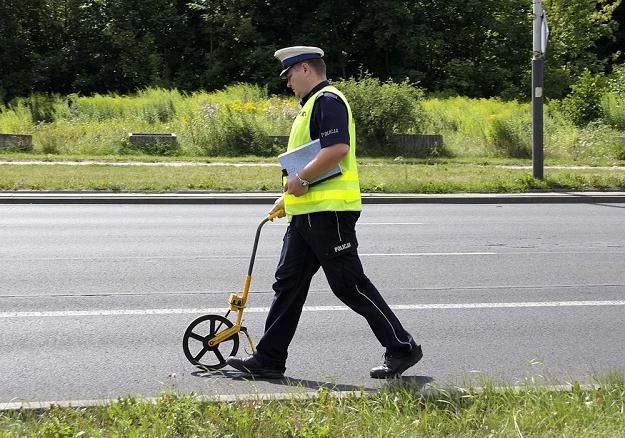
(294, 160)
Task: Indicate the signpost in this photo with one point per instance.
(541, 35)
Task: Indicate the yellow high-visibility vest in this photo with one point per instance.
(339, 193)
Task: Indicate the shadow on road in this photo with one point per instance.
(604, 201)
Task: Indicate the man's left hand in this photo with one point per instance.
(294, 187)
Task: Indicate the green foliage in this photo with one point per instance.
(473, 48)
(232, 133)
(481, 127)
(576, 27)
(613, 110)
(583, 105)
(597, 142)
(16, 119)
(246, 93)
(154, 105)
(238, 121)
(613, 99)
(381, 109)
(511, 136)
(42, 107)
(616, 80)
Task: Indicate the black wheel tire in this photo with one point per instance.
(195, 342)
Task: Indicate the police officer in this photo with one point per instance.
(321, 232)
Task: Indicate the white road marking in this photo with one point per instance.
(225, 257)
(391, 223)
(136, 163)
(426, 254)
(149, 258)
(221, 310)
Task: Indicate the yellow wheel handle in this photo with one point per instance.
(278, 213)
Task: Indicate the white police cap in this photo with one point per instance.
(289, 56)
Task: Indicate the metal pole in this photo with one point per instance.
(538, 62)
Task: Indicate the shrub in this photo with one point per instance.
(50, 144)
(381, 109)
(583, 104)
(42, 107)
(510, 136)
(224, 130)
(613, 100)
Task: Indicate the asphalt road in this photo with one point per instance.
(94, 299)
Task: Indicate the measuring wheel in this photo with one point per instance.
(197, 336)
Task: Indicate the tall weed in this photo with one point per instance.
(598, 143)
(613, 101)
(613, 109)
(16, 119)
(230, 131)
(240, 92)
(560, 134)
(510, 135)
(43, 108)
(480, 127)
(151, 106)
(67, 137)
(238, 120)
(280, 114)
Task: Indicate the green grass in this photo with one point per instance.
(376, 176)
(398, 410)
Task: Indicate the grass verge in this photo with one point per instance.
(396, 410)
(376, 176)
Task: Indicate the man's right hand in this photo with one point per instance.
(278, 207)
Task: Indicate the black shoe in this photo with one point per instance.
(252, 366)
(394, 366)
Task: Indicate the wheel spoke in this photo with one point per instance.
(197, 337)
(201, 353)
(214, 329)
(219, 355)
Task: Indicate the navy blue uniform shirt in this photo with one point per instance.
(328, 122)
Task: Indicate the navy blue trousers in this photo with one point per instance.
(326, 240)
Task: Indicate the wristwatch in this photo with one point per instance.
(302, 182)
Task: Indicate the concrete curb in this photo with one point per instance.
(46, 197)
(426, 390)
